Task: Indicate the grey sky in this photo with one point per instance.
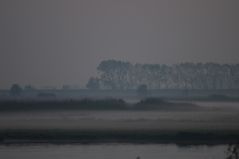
(55, 42)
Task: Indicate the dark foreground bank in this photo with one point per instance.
(93, 104)
(88, 137)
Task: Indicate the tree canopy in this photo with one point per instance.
(15, 90)
(122, 75)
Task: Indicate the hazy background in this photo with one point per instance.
(55, 42)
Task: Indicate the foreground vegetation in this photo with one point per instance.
(103, 136)
(93, 104)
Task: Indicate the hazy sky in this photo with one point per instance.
(55, 42)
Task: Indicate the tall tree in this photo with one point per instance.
(124, 75)
(93, 83)
(15, 90)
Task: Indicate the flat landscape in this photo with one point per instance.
(216, 121)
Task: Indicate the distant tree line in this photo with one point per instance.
(120, 75)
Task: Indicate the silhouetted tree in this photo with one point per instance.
(114, 74)
(15, 90)
(65, 87)
(142, 91)
(93, 83)
(124, 75)
(29, 88)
